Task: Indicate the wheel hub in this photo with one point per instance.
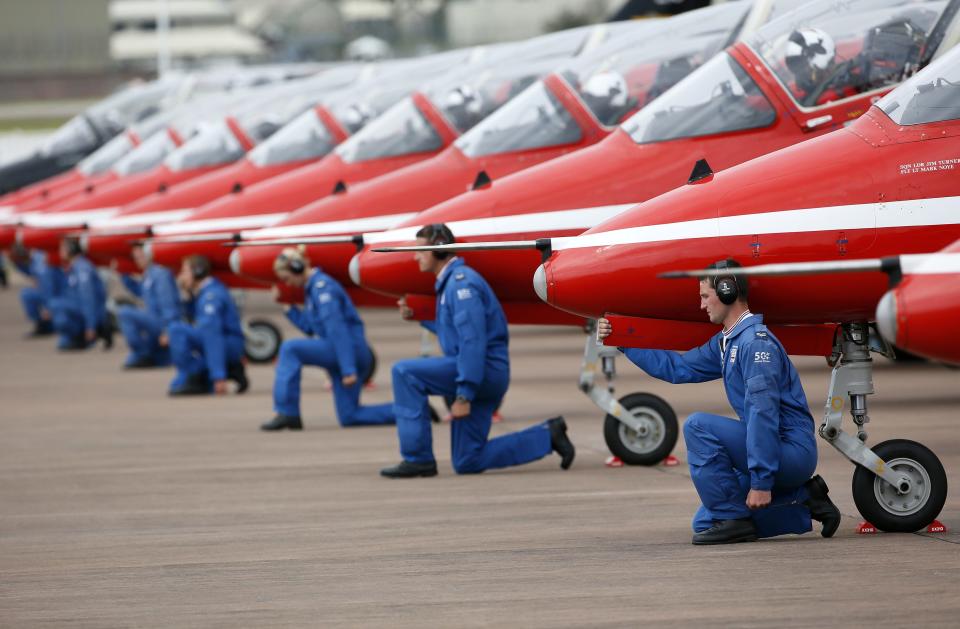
(911, 495)
(648, 433)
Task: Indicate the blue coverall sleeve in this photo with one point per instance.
(210, 324)
(169, 299)
(330, 309)
(430, 326)
(88, 295)
(700, 364)
(132, 284)
(297, 317)
(761, 364)
(470, 320)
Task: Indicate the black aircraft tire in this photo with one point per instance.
(650, 449)
(881, 505)
(263, 341)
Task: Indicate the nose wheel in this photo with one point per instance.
(898, 485)
(918, 498)
(263, 340)
(649, 433)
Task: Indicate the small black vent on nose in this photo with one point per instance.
(340, 188)
(483, 180)
(701, 170)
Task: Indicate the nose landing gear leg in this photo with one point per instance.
(899, 485)
(639, 428)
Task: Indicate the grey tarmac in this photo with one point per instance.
(120, 507)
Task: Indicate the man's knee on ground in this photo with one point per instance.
(470, 463)
(125, 311)
(695, 422)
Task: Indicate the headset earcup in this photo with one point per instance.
(727, 290)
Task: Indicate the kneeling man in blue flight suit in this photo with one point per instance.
(146, 328)
(338, 344)
(474, 371)
(753, 473)
(208, 352)
(49, 282)
(80, 315)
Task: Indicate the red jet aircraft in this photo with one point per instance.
(569, 109)
(867, 198)
(415, 129)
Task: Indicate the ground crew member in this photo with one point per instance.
(753, 474)
(49, 282)
(80, 314)
(474, 371)
(337, 343)
(208, 352)
(146, 328)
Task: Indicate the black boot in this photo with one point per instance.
(238, 373)
(434, 415)
(105, 333)
(406, 469)
(290, 422)
(197, 384)
(821, 507)
(727, 532)
(43, 328)
(75, 344)
(144, 362)
(560, 442)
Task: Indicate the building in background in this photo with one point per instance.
(201, 33)
(54, 49)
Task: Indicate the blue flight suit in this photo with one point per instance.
(472, 331)
(142, 327)
(771, 447)
(83, 305)
(215, 339)
(49, 282)
(339, 346)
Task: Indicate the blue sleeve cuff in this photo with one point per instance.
(760, 483)
(466, 390)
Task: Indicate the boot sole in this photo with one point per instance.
(425, 474)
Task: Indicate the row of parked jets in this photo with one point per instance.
(817, 143)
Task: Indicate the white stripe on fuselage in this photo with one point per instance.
(916, 213)
(253, 221)
(537, 222)
(68, 219)
(350, 226)
(144, 219)
(930, 263)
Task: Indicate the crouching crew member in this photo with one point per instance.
(145, 329)
(80, 314)
(753, 473)
(338, 344)
(49, 282)
(208, 352)
(474, 372)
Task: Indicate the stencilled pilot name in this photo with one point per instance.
(932, 166)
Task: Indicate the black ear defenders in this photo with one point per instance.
(439, 234)
(729, 287)
(294, 265)
(199, 268)
(73, 247)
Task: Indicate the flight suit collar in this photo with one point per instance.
(445, 273)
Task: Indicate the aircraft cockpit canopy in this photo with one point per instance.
(825, 52)
(933, 96)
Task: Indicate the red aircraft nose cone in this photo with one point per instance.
(101, 248)
(255, 263)
(47, 239)
(8, 236)
(390, 273)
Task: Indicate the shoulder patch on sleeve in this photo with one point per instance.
(762, 334)
(464, 293)
(210, 307)
(325, 298)
(459, 276)
(321, 283)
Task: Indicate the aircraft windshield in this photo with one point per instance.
(827, 51)
(106, 156)
(718, 97)
(631, 70)
(534, 119)
(931, 96)
(304, 138)
(401, 130)
(77, 135)
(147, 155)
(212, 145)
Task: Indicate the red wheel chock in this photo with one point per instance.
(865, 528)
(614, 461)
